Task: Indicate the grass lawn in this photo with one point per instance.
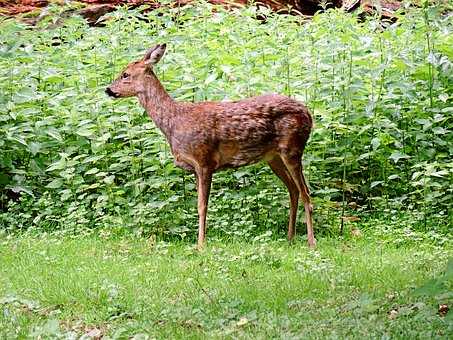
(68, 286)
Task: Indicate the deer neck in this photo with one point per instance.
(157, 102)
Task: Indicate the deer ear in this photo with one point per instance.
(154, 54)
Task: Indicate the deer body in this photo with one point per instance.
(208, 136)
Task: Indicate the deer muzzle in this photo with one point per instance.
(109, 91)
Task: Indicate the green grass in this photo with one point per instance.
(58, 286)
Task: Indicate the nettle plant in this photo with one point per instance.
(71, 157)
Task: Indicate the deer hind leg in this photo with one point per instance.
(204, 178)
(278, 167)
(294, 166)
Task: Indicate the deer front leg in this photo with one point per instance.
(204, 178)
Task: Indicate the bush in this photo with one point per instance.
(380, 97)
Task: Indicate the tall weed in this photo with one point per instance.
(381, 98)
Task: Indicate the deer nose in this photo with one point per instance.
(110, 92)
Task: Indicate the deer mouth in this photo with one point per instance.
(111, 93)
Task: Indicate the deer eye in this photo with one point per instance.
(125, 75)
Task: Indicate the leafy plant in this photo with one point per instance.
(381, 97)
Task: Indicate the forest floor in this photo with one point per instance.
(98, 285)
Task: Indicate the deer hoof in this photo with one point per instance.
(200, 247)
(312, 244)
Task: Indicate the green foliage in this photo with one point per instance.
(381, 98)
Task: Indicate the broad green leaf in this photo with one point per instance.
(397, 155)
(55, 184)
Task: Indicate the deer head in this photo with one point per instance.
(131, 81)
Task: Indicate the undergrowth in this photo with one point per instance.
(380, 95)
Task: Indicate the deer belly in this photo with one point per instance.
(231, 155)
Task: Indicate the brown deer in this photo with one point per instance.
(207, 136)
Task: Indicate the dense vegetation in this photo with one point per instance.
(380, 94)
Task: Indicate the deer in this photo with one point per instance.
(208, 136)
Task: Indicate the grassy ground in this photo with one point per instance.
(55, 286)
